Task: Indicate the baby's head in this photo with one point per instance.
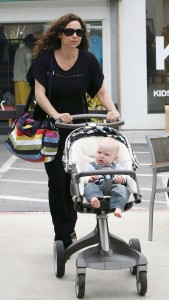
(107, 151)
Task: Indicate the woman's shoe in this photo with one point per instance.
(73, 237)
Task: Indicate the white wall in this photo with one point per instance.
(133, 76)
(43, 11)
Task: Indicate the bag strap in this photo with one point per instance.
(30, 131)
(50, 75)
(29, 100)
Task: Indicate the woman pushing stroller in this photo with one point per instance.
(75, 73)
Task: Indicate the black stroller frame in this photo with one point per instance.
(108, 252)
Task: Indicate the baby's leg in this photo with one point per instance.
(95, 202)
(119, 198)
(92, 192)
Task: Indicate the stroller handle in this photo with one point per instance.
(59, 123)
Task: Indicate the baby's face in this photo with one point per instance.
(104, 155)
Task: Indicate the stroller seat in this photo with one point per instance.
(105, 251)
(82, 152)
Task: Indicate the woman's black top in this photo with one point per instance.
(69, 88)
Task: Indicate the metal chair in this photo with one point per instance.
(159, 152)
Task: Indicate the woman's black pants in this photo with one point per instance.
(64, 216)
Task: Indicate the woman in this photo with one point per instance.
(75, 73)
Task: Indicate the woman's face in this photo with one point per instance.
(71, 35)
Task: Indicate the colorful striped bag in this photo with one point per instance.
(31, 140)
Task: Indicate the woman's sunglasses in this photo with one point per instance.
(71, 31)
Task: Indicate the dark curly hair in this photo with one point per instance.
(50, 38)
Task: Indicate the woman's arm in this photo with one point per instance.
(108, 104)
(45, 104)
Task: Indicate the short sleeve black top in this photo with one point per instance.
(69, 87)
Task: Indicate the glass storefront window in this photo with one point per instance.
(11, 46)
(157, 29)
(11, 43)
(95, 46)
(95, 39)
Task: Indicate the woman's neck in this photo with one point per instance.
(66, 58)
(67, 53)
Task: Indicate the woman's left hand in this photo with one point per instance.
(113, 116)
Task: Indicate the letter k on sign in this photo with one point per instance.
(161, 53)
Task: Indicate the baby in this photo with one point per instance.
(105, 159)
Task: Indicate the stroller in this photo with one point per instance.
(104, 251)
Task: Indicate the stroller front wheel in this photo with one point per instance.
(134, 244)
(58, 259)
(142, 283)
(80, 285)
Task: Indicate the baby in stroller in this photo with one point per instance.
(102, 249)
(80, 158)
(105, 159)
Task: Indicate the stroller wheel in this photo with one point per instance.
(58, 259)
(80, 285)
(134, 244)
(142, 283)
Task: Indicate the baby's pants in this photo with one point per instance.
(119, 194)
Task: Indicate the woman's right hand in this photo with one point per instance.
(65, 118)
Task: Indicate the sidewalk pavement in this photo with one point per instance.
(138, 136)
(26, 272)
(26, 255)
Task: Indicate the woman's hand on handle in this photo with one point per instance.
(65, 118)
(113, 116)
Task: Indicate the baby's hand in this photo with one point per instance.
(119, 179)
(93, 178)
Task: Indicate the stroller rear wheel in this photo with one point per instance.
(134, 244)
(58, 259)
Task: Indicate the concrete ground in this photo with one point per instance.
(26, 270)
(26, 255)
